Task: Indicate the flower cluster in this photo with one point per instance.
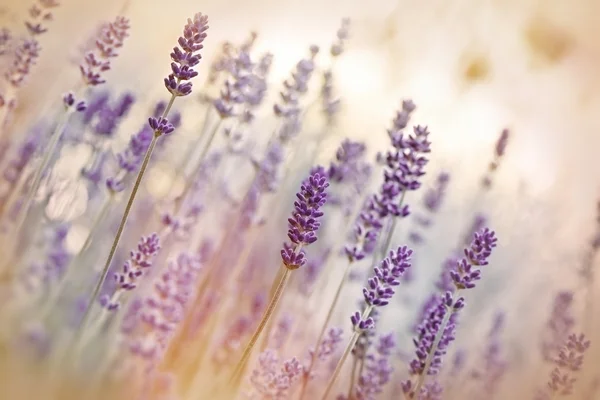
(25, 57)
(378, 369)
(40, 13)
(559, 325)
(5, 40)
(403, 169)
(96, 62)
(289, 107)
(139, 260)
(380, 287)
(271, 381)
(70, 101)
(304, 222)
(337, 47)
(186, 56)
(499, 151)
(568, 362)
(436, 330)
(160, 312)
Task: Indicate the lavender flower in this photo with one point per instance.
(40, 13)
(272, 381)
(567, 364)
(140, 259)
(499, 151)
(337, 48)
(378, 369)
(493, 366)
(186, 56)
(559, 325)
(432, 200)
(25, 58)
(403, 168)
(436, 331)
(304, 222)
(70, 101)
(162, 311)
(96, 62)
(5, 40)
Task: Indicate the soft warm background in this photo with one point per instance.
(472, 68)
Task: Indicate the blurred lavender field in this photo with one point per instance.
(168, 241)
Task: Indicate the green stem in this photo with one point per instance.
(261, 326)
(313, 359)
(347, 351)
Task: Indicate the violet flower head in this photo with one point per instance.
(140, 259)
(347, 162)
(466, 272)
(304, 222)
(5, 39)
(38, 15)
(272, 381)
(342, 34)
(567, 364)
(426, 333)
(559, 325)
(378, 369)
(26, 55)
(96, 62)
(70, 101)
(380, 287)
(186, 56)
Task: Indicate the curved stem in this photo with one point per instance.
(313, 359)
(347, 351)
(115, 244)
(117, 239)
(263, 323)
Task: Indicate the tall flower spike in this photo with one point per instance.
(193, 35)
(302, 231)
(436, 331)
(185, 57)
(140, 260)
(96, 62)
(568, 362)
(304, 222)
(25, 58)
(377, 294)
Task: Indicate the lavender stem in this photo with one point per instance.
(347, 351)
(261, 326)
(313, 359)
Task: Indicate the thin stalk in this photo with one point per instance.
(313, 359)
(347, 351)
(37, 177)
(390, 233)
(352, 378)
(430, 355)
(117, 239)
(263, 323)
(115, 244)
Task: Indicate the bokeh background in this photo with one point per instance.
(472, 67)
